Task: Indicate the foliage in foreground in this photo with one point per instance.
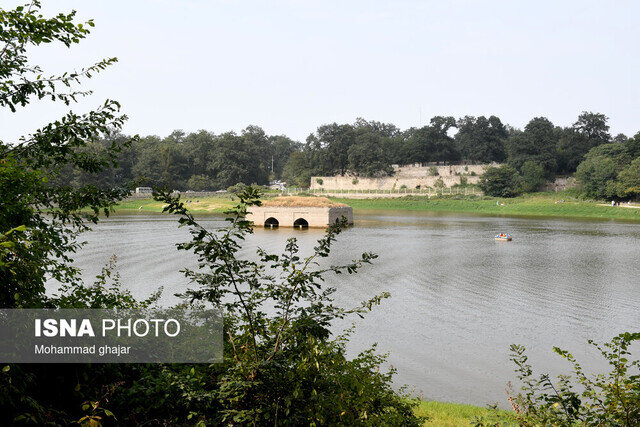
(609, 399)
(281, 364)
(280, 367)
(40, 220)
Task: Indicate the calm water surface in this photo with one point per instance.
(459, 298)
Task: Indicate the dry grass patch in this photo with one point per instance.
(299, 201)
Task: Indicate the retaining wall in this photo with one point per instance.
(411, 176)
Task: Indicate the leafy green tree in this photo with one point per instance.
(199, 150)
(632, 146)
(594, 126)
(281, 148)
(238, 159)
(532, 177)
(597, 176)
(536, 143)
(500, 181)
(621, 137)
(50, 216)
(481, 140)
(297, 172)
(589, 131)
(200, 183)
(618, 152)
(432, 143)
(367, 157)
(629, 180)
(337, 140)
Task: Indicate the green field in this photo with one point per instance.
(448, 414)
(210, 204)
(534, 205)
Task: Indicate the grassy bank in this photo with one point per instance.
(448, 414)
(210, 204)
(534, 205)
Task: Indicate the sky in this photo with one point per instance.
(290, 66)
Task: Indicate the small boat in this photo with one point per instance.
(503, 237)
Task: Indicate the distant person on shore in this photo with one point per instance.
(613, 203)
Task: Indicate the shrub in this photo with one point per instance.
(280, 360)
(354, 181)
(597, 175)
(200, 183)
(439, 183)
(433, 171)
(611, 399)
(532, 176)
(237, 189)
(319, 181)
(500, 181)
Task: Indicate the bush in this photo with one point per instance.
(433, 171)
(237, 189)
(500, 181)
(280, 360)
(611, 399)
(200, 183)
(319, 181)
(532, 177)
(597, 176)
(354, 181)
(629, 180)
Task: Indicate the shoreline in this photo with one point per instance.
(536, 205)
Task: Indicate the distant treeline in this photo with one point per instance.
(206, 161)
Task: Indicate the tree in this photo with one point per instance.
(532, 177)
(281, 148)
(629, 180)
(589, 131)
(481, 140)
(432, 143)
(500, 181)
(336, 140)
(597, 176)
(366, 156)
(45, 217)
(200, 183)
(632, 146)
(594, 127)
(297, 172)
(536, 143)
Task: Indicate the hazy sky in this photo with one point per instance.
(290, 66)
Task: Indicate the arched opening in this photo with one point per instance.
(300, 223)
(271, 222)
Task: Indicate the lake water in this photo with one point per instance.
(459, 298)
